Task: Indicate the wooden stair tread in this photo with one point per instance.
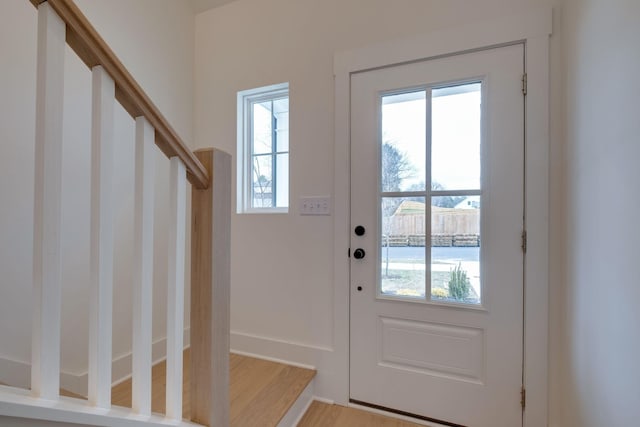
(67, 393)
(325, 415)
(261, 392)
(121, 393)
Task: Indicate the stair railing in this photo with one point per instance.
(209, 172)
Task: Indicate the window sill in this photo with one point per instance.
(260, 211)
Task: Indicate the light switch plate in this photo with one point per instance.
(315, 205)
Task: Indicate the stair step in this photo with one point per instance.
(325, 415)
(261, 392)
(67, 393)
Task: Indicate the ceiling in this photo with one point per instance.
(202, 5)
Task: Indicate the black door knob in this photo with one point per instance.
(359, 230)
(358, 253)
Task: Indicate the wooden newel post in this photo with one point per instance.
(210, 294)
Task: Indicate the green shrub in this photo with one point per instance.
(459, 285)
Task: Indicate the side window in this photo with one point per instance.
(263, 149)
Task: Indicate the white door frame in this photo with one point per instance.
(533, 27)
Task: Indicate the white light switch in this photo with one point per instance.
(315, 205)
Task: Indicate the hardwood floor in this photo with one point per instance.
(121, 393)
(67, 393)
(261, 392)
(324, 415)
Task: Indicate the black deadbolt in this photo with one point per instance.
(359, 288)
(358, 253)
(359, 230)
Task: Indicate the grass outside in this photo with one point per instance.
(411, 283)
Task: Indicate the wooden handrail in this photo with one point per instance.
(92, 50)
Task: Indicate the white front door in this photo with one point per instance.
(437, 190)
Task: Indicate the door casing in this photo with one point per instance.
(533, 28)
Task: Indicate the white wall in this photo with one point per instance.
(599, 345)
(155, 40)
(282, 265)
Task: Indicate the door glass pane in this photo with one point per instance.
(402, 252)
(455, 249)
(403, 141)
(262, 181)
(456, 135)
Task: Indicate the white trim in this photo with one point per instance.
(536, 320)
(125, 362)
(175, 286)
(323, 400)
(311, 400)
(533, 26)
(102, 236)
(16, 373)
(143, 284)
(528, 24)
(299, 407)
(323, 359)
(269, 348)
(272, 359)
(47, 208)
(19, 404)
(244, 153)
(265, 211)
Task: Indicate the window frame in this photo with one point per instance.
(245, 155)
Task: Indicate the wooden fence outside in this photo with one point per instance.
(443, 221)
(449, 227)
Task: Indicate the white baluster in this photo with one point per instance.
(143, 285)
(101, 262)
(45, 350)
(175, 294)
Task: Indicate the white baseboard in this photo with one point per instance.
(121, 366)
(273, 359)
(323, 400)
(323, 359)
(289, 352)
(18, 374)
(14, 373)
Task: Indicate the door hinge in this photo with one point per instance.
(524, 84)
(524, 241)
(523, 397)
